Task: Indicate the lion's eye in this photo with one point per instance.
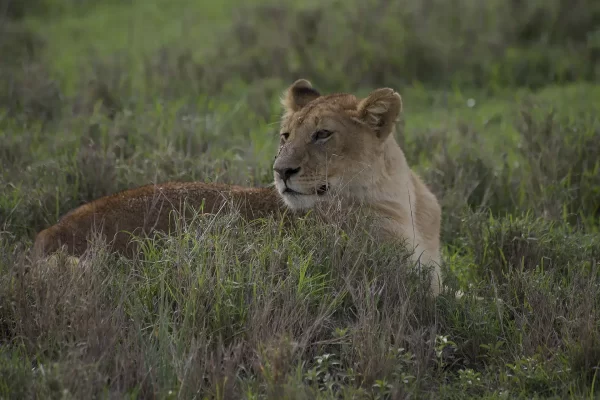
(321, 135)
(285, 136)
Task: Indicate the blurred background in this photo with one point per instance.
(183, 47)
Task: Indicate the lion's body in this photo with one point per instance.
(335, 149)
(405, 208)
(150, 208)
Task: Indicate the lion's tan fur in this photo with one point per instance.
(359, 163)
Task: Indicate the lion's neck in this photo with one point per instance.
(390, 190)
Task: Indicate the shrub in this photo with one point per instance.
(382, 43)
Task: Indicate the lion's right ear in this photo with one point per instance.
(380, 110)
(298, 95)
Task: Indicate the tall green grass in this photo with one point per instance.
(500, 119)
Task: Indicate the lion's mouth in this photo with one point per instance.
(320, 191)
(292, 192)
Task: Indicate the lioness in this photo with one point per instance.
(332, 148)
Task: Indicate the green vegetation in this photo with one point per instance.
(501, 120)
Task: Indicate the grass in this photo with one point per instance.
(500, 120)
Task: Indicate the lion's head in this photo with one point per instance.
(332, 144)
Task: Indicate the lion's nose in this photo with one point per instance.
(286, 173)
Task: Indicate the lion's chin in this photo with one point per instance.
(299, 201)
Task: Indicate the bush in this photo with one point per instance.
(380, 43)
(26, 88)
(18, 9)
(549, 168)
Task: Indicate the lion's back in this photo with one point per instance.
(145, 209)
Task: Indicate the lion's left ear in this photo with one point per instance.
(298, 95)
(380, 110)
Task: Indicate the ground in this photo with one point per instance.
(500, 119)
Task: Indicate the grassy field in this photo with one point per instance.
(501, 121)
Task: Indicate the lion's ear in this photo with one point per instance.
(298, 95)
(380, 110)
